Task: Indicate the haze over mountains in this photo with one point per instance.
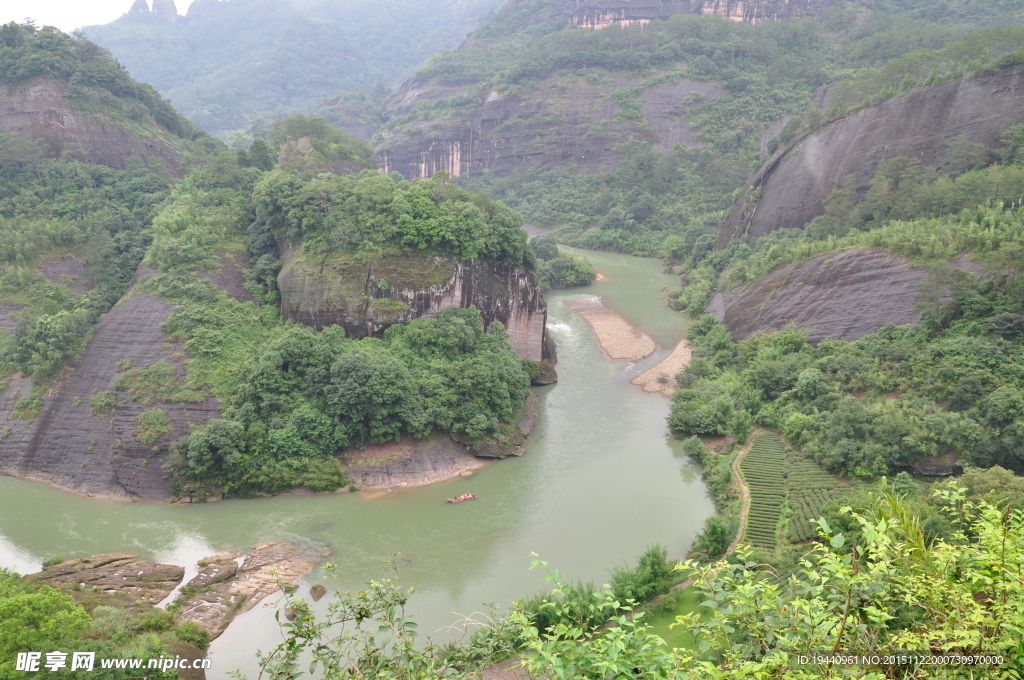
(224, 64)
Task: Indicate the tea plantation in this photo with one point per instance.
(787, 491)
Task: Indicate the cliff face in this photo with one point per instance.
(38, 109)
(845, 296)
(366, 298)
(68, 445)
(794, 183)
(564, 117)
(598, 14)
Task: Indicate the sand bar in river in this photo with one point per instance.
(668, 367)
(618, 338)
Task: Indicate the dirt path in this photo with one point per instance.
(744, 492)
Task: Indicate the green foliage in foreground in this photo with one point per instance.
(44, 619)
(895, 590)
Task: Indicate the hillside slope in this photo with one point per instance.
(535, 87)
(792, 186)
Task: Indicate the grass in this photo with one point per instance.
(687, 602)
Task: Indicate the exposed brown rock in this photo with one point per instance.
(73, 267)
(268, 565)
(921, 124)
(547, 375)
(66, 446)
(367, 298)
(317, 592)
(845, 295)
(114, 579)
(231, 276)
(6, 322)
(37, 108)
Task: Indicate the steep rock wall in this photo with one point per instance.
(598, 13)
(366, 298)
(38, 109)
(794, 183)
(563, 120)
(99, 455)
(845, 296)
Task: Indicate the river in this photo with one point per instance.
(601, 480)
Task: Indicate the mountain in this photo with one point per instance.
(226, 63)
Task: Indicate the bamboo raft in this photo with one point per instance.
(463, 497)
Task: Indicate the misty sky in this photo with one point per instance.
(67, 15)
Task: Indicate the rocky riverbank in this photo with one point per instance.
(224, 585)
(418, 462)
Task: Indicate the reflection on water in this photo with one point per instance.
(601, 479)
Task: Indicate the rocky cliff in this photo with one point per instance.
(367, 297)
(72, 445)
(598, 13)
(793, 184)
(844, 296)
(564, 119)
(39, 109)
(463, 125)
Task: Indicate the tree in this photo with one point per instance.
(368, 394)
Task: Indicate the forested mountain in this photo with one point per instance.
(647, 125)
(226, 63)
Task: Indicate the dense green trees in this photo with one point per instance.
(370, 211)
(560, 270)
(52, 209)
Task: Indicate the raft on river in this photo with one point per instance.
(463, 497)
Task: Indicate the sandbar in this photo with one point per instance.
(668, 367)
(618, 338)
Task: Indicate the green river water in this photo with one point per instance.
(601, 480)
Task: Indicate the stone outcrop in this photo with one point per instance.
(69, 446)
(366, 298)
(222, 589)
(38, 109)
(845, 296)
(224, 586)
(795, 182)
(121, 580)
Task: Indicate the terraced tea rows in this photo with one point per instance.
(762, 469)
(809, 489)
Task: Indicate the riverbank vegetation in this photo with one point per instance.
(556, 269)
(849, 598)
(293, 397)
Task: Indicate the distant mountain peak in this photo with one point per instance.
(165, 9)
(139, 7)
